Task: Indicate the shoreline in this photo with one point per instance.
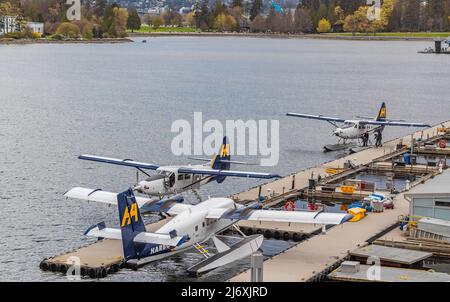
(7, 41)
(128, 39)
(281, 36)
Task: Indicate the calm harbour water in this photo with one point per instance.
(59, 101)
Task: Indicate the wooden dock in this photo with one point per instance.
(313, 259)
(96, 260)
(389, 274)
(306, 261)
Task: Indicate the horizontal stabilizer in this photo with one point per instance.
(163, 239)
(223, 161)
(100, 231)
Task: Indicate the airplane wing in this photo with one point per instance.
(317, 117)
(250, 214)
(215, 172)
(393, 123)
(120, 162)
(98, 195)
(172, 206)
(99, 230)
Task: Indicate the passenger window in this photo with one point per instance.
(180, 176)
(187, 176)
(196, 228)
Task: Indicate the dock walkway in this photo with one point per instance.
(313, 259)
(300, 263)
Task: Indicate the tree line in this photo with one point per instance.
(311, 16)
(98, 18)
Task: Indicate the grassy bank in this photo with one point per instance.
(385, 36)
(67, 41)
(148, 29)
(396, 34)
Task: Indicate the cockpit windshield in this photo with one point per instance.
(163, 172)
(348, 125)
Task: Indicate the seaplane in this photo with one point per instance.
(358, 129)
(188, 227)
(172, 180)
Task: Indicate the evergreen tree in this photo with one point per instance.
(134, 21)
(255, 9)
(411, 17)
(236, 3)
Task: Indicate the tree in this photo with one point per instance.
(302, 21)
(146, 19)
(88, 31)
(68, 30)
(350, 24)
(202, 16)
(190, 19)
(324, 26)
(410, 19)
(386, 11)
(114, 21)
(157, 22)
(357, 22)
(236, 3)
(224, 22)
(350, 6)
(236, 12)
(255, 9)
(134, 21)
(9, 9)
(259, 24)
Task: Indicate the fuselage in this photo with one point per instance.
(353, 129)
(168, 181)
(194, 224)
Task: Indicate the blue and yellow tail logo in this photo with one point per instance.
(130, 214)
(383, 112)
(224, 152)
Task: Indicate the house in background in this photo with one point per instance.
(36, 27)
(8, 24)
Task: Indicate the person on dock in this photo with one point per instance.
(378, 139)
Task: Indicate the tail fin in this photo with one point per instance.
(131, 223)
(221, 161)
(382, 113)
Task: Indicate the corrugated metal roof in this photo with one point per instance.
(438, 185)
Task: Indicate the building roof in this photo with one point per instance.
(439, 185)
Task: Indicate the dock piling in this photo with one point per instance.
(257, 262)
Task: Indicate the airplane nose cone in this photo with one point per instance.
(337, 132)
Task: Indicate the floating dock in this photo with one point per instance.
(390, 256)
(313, 258)
(389, 274)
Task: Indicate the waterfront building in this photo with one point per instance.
(431, 199)
(36, 27)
